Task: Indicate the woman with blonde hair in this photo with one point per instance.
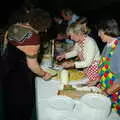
(85, 49)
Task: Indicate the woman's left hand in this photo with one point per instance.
(47, 76)
(68, 64)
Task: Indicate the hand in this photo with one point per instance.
(77, 58)
(60, 57)
(104, 93)
(68, 64)
(92, 83)
(47, 76)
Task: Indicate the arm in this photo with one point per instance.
(89, 52)
(73, 52)
(34, 66)
(32, 63)
(114, 88)
(70, 54)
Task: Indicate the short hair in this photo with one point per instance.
(38, 18)
(75, 28)
(110, 27)
(67, 12)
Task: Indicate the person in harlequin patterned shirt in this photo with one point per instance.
(109, 65)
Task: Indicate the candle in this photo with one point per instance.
(64, 78)
(52, 48)
(52, 55)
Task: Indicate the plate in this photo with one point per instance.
(49, 70)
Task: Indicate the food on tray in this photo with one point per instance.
(73, 75)
(75, 93)
(72, 93)
(76, 75)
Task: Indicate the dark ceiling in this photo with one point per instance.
(90, 8)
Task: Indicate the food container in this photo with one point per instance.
(64, 77)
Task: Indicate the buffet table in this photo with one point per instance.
(46, 94)
(46, 90)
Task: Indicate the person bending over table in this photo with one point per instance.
(20, 63)
(85, 49)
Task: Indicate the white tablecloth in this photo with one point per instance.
(48, 89)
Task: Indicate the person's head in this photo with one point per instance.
(38, 19)
(108, 30)
(83, 21)
(67, 14)
(22, 32)
(76, 32)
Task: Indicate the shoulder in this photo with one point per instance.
(90, 40)
(117, 51)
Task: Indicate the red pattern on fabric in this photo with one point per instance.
(108, 59)
(115, 97)
(117, 107)
(92, 72)
(105, 75)
(116, 42)
(111, 82)
(33, 40)
(106, 66)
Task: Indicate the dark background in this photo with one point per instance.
(93, 9)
